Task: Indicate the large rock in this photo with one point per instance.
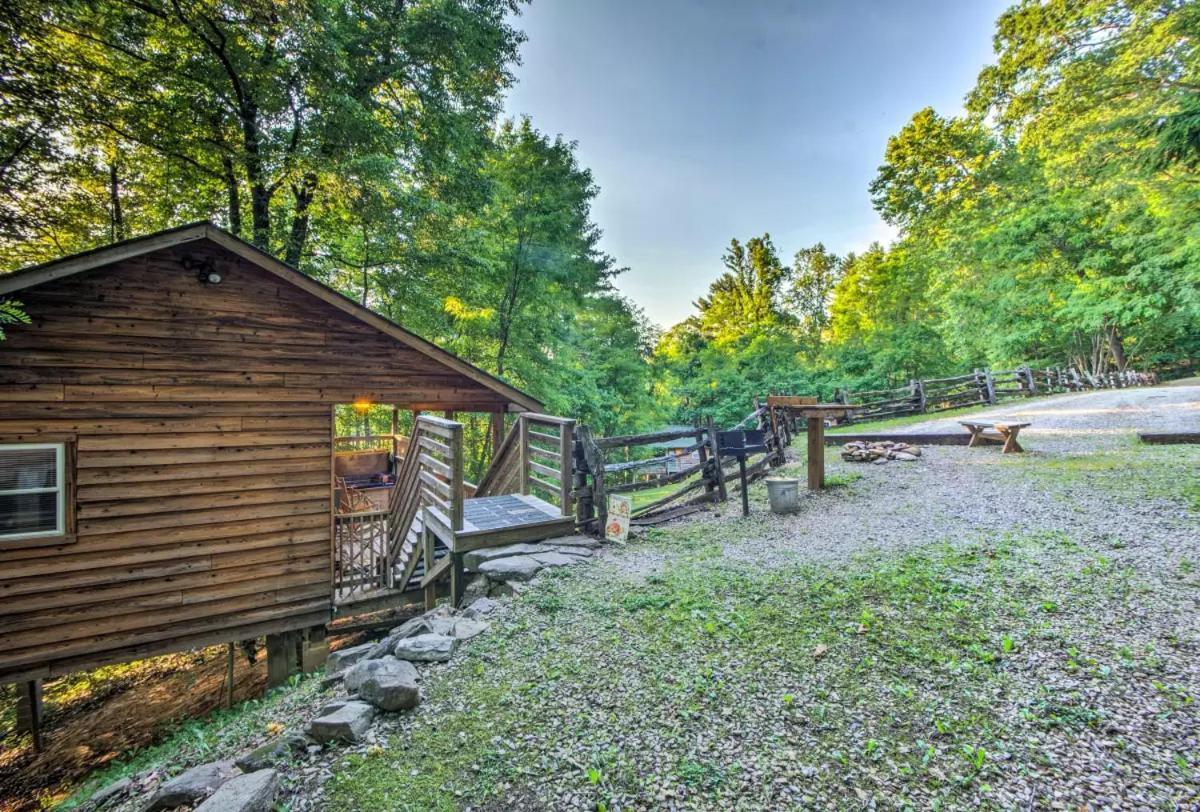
(443, 626)
(466, 628)
(409, 628)
(361, 672)
(346, 657)
(516, 568)
(476, 558)
(582, 553)
(253, 792)
(192, 786)
(276, 750)
(480, 608)
(578, 542)
(427, 648)
(346, 724)
(553, 559)
(393, 689)
(110, 793)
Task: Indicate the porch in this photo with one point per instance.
(406, 514)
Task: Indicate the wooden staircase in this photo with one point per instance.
(396, 552)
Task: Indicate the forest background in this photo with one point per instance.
(1055, 222)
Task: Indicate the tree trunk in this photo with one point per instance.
(299, 234)
(116, 219)
(260, 191)
(260, 215)
(235, 201)
(1116, 346)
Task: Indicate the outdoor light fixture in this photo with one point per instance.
(362, 406)
(204, 270)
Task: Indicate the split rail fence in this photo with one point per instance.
(603, 466)
(982, 387)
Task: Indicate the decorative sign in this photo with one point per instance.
(619, 508)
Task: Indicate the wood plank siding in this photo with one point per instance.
(200, 421)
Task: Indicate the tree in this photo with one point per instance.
(749, 294)
(814, 276)
(257, 108)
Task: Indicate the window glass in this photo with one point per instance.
(31, 498)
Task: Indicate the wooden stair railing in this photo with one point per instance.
(432, 476)
(547, 446)
(500, 477)
(537, 457)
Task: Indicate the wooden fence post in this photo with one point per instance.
(523, 447)
(566, 468)
(918, 389)
(455, 441)
(722, 494)
(989, 385)
(584, 510)
(702, 451)
(842, 396)
(594, 458)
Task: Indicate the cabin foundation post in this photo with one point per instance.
(314, 649)
(229, 660)
(458, 579)
(282, 657)
(29, 710)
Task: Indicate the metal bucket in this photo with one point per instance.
(784, 494)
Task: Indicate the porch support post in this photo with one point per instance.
(282, 657)
(314, 649)
(497, 428)
(29, 711)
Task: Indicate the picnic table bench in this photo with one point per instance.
(986, 431)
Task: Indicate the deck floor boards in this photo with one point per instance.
(486, 513)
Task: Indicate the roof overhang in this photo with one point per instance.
(194, 232)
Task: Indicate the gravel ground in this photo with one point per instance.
(970, 630)
(1106, 412)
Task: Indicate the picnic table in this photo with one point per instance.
(816, 415)
(987, 431)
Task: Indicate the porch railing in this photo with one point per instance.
(381, 550)
(361, 565)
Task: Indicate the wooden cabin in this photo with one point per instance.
(167, 459)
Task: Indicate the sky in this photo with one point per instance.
(704, 120)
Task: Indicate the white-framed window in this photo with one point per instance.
(33, 498)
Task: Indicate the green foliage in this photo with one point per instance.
(11, 313)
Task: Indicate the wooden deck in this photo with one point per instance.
(490, 521)
(429, 522)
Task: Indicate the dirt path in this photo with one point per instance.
(1108, 411)
(87, 734)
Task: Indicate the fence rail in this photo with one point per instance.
(981, 387)
(710, 480)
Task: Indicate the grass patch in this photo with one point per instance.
(1130, 474)
(642, 498)
(706, 681)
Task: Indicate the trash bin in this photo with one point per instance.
(784, 493)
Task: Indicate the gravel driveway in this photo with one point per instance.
(968, 630)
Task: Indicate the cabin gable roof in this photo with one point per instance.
(205, 231)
